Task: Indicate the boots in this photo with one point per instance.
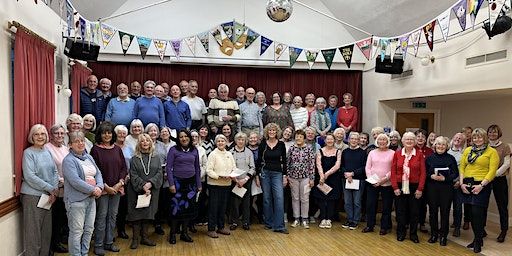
(145, 236)
(136, 235)
(433, 238)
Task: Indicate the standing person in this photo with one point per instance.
(177, 112)
(135, 90)
(374, 133)
(223, 110)
(328, 162)
(89, 127)
(378, 165)
(320, 120)
(111, 162)
(240, 95)
(212, 94)
(332, 109)
(40, 177)
(458, 144)
(441, 170)
(500, 184)
(348, 116)
(230, 136)
(287, 99)
(121, 133)
(120, 109)
(148, 108)
(136, 129)
(467, 131)
(364, 140)
(287, 137)
(244, 160)
(202, 202)
(160, 94)
(311, 138)
(206, 141)
(145, 179)
(220, 164)
(310, 105)
(167, 89)
(184, 176)
(408, 176)
(253, 145)
(183, 88)
(105, 86)
(339, 137)
(477, 169)
(271, 166)
(394, 138)
(430, 140)
(353, 162)
(300, 173)
(82, 184)
(250, 114)
(92, 100)
(421, 147)
(196, 105)
(299, 114)
(261, 100)
(277, 113)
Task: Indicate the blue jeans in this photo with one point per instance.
(352, 200)
(273, 199)
(106, 214)
(81, 225)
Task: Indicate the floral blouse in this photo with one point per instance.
(301, 162)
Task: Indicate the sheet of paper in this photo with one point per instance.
(240, 192)
(354, 185)
(255, 190)
(324, 188)
(373, 179)
(143, 201)
(222, 114)
(43, 202)
(236, 172)
(441, 171)
(307, 189)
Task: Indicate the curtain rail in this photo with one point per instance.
(18, 25)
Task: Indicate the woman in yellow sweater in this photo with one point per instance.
(477, 169)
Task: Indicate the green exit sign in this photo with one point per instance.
(419, 104)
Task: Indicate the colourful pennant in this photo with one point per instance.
(228, 29)
(294, 55)
(428, 30)
(107, 33)
(126, 41)
(144, 44)
(473, 8)
(69, 17)
(444, 23)
(242, 39)
(191, 43)
(217, 34)
(204, 38)
(160, 45)
(176, 47)
(460, 10)
(365, 46)
(83, 27)
(375, 46)
(404, 44)
(495, 7)
(251, 37)
(346, 53)
(393, 44)
(265, 44)
(238, 31)
(311, 57)
(329, 56)
(415, 41)
(279, 49)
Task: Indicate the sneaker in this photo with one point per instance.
(305, 224)
(328, 224)
(212, 234)
(345, 225)
(312, 220)
(99, 251)
(224, 231)
(285, 218)
(111, 247)
(352, 226)
(295, 223)
(322, 224)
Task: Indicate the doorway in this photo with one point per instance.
(405, 122)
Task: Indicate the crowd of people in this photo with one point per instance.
(157, 154)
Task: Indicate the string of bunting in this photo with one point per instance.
(231, 36)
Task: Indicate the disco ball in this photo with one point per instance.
(279, 10)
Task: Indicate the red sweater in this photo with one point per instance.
(348, 117)
(417, 170)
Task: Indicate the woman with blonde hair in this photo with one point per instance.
(89, 127)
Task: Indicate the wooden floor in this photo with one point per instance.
(300, 241)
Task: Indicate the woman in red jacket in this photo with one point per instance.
(408, 180)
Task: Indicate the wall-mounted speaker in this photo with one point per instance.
(81, 50)
(389, 67)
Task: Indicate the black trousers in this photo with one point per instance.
(164, 206)
(407, 211)
(500, 190)
(59, 222)
(423, 205)
(122, 211)
(237, 205)
(219, 199)
(479, 214)
(327, 208)
(371, 205)
(202, 205)
(439, 197)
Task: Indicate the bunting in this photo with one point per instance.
(473, 8)
(383, 48)
(144, 44)
(83, 27)
(238, 31)
(444, 23)
(228, 29)
(415, 40)
(126, 41)
(242, 39)
(460, 12)
(311, 57)
(176, 47)
(217, 34)
(365, 46)
(265, 44)
(69, 17)
(393, 44)
(107, 33)
(160, 45)
(191, 43)
(294, 55)
(495, 7)
(375, 47)
(404, 44)
(329, 56)
(204, 38)
(428, 30)
(251, 37)
(346, 53)
(279, 49)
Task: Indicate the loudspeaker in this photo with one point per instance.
(388, 67)
(81, 50)
(503, 24)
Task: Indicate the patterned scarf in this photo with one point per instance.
(322, 119)
(475, 153)
(406, 174)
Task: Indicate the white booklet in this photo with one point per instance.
(240, 192)
(43, 202)
(222, 114)
(143, 201)
(373, 179)
(354, 185)
(324, 188)
(255, 190)
(307, 189)
(236, 172)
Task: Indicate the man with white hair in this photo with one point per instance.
(120, 109)
(92, 100)
(196, 104)
(105, 85)
(148, 108)
(250, 114)
(223, 110)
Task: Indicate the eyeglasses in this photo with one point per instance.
(59, 133)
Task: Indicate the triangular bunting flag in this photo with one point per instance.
(251, 37)
(444, 23)
(329, 56)
(428, 30)
(393, 43)
(107, 33)
(265, 43)
(242, 39)
(415, 41)
(160, 45)
(279, 49)
(404, 44)
(365, 46)
(228, 29)
(144, 44)
(460, 12)
(238, 31)
(294, 55)
(176, 47)
(311, 57)
(83, 27)
(69, 18)
(383, 48)
(217, 34)
(495, 7)
(126, 41)
(375, 47)
(191, 43)
(346, 53)
(473, 8)
(204, 38)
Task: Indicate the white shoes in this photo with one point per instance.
(305, 224)
(328, 224)
(295, 223)
(322, 224)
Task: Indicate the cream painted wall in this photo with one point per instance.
(42, 20)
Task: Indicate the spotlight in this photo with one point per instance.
(425, 61)
(502, 24)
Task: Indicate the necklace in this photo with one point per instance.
(144, 167)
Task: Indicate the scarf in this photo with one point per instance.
(475, 153)
(82, 156)
(322, 119)
(405, 175)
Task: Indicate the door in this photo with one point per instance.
(412, 121)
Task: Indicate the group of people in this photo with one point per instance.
(146, 160)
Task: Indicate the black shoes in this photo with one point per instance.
(246, 226)
(400, 237)
(172, 238)
(415, 239)
(192, 229)
(433, 239)
(59, 248)
(501, 237)
(122, 234)
(456, 232)
(159, 230)
(186, 238)
(443, 241)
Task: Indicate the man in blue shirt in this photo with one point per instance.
(177, 112)
(92, 100)
(148, 108)
(120, 109)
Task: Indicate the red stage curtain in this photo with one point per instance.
(34, 92)
(298, 82)
(79, 74)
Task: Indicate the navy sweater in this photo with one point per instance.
(354, 160)
(447, 165)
